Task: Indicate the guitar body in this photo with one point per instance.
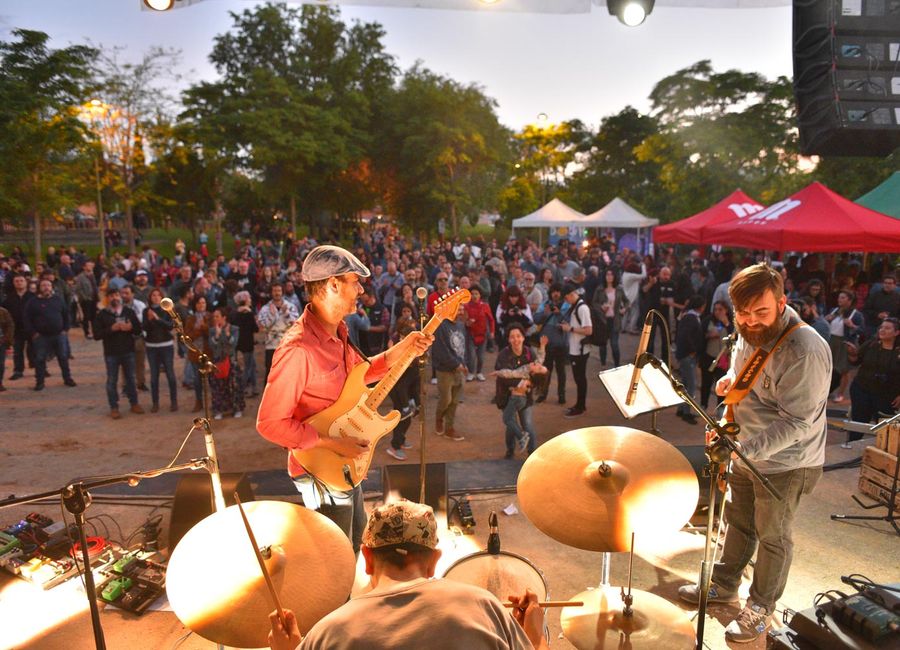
(348, 416)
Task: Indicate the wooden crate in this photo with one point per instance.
(880, 460)
(875, 476)
(888, 439)
(875, 491)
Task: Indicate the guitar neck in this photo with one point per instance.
(383, 387)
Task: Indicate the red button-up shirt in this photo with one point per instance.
(308, 373)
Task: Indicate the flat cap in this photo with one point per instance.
(325, 262)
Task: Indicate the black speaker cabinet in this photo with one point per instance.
(402, 481)
(194, 501)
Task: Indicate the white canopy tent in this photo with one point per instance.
(554, 214)
(618, 214)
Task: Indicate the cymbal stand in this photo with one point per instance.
(891, 503)
(719, 450)
(205, 366)
(76, 498)
(422, 360)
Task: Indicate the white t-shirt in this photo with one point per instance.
(580, 318)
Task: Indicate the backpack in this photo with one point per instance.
(599, 334)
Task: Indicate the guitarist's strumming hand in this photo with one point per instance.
(346, 446)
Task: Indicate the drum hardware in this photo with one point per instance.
(422, 294)
(267, 551)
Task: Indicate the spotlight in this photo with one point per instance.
(630, 12)
(159, 5)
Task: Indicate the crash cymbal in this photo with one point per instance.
(600, 624)
(591, 488)
(217, 589)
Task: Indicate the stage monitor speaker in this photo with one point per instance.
(194, 501)
(847, 76)
(402, 481)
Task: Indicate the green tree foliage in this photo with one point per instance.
(443, 151)
(42, 142)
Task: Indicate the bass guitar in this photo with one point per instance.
(355, 413)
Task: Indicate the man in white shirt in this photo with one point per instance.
(579, 327)
(140, 351)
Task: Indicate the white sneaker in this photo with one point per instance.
(480, 377)
(238, 414)
(470, 377)
(217, 416)
(434, 380)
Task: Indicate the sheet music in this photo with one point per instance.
(654, 390)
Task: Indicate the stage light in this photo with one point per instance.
(159, 5)
(630, 12)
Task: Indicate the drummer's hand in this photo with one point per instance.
(529, 616)
(347, 446)
(723, 385)
(281, 637)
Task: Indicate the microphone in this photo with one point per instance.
(169, 307)
(493, 544)
(642, 348)
(421, 293)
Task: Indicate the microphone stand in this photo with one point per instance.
(422, 360)
(204, 367)
(77, 499)
(719, 449)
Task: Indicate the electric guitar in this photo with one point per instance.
(355, 413)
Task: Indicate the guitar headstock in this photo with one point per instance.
(448, 304)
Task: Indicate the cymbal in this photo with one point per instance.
(591, 488)
(600, 624)
(217, 589)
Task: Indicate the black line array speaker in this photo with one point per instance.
(403, 481)
(847, 76)
(194, 501)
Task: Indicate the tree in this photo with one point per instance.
(42, 143)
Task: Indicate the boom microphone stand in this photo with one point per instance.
(719, 449)
(76, 499)
(421, 294)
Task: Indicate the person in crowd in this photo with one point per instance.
(45, 320)
(196, 326)
(87, 295)
(117, 326)
(809, 312)
(405, 393)
(275, 318)
(657, 292)
(882, 304)
(690, 343)
(448, 358)
(247, 325)
(845, 326)
(815, 289)
(265, 284)
(480, 327)
(550, 317)
(373, 339)
(783, 431)
(23, 344)
(633, 274)
(610, 301)
(520, 373)
(226, 383)
(7, 335)
(160, 345)
(546, 281)
(512, 309)
(579, 327)
(715, 359)
(140, 350)
(531, 294)
(401, 555)
(876, 388)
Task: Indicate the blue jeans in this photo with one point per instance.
(475, 355)
(519, 422)
(43, 345)
(113, 363)
(613, 342)
(249, 370)
(163, 357)
(865, 407)
(2, 361)
(687, 368)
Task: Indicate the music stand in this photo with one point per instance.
(655, 391)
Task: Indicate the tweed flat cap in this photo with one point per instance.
(324, 262)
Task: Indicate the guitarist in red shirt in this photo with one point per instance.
(308, 373)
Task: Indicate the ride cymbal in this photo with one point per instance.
(217, 589)
(600, 623)
(591, 488)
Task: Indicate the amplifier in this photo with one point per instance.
(403, 481)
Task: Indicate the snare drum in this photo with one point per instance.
(505, 574)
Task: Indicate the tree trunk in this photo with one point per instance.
(129, 225)
(38, 245)
(220, 216)
(454, 226)
(293, 215)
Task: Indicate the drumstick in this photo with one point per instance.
(262, 565)
(552, 603)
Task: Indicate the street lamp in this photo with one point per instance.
(159, 5)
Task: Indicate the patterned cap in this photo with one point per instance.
(401, 522)
(325, 262)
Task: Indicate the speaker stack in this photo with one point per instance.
(847, 76)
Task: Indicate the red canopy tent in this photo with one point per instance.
(692, 230)
(815, 219)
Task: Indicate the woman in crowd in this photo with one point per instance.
(480, 327)
(405, 393)
(545, 279)
(876, 387)
(715, 326)
(610, 301)
(264, 286)
(514, 390)
(197, 327)
(160, 348)
(247, 324)
(407, 298)
(226, 383)
(513, 309)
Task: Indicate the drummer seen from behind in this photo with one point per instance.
(783, 427)
(405, 608)
(308, 372)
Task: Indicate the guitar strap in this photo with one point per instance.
(753, 368)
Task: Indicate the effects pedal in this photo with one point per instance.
(466, 518)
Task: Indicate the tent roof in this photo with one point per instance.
(885, 198)
(691, 230)
(552, 215)
(815, 219)
(618, 214)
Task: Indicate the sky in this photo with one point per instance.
(584, 66)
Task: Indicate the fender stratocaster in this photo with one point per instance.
(355, 413)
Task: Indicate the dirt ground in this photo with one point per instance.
(49, 438)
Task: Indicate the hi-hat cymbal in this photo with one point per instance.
(600, 623)
(591, 488)
(217, 589)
